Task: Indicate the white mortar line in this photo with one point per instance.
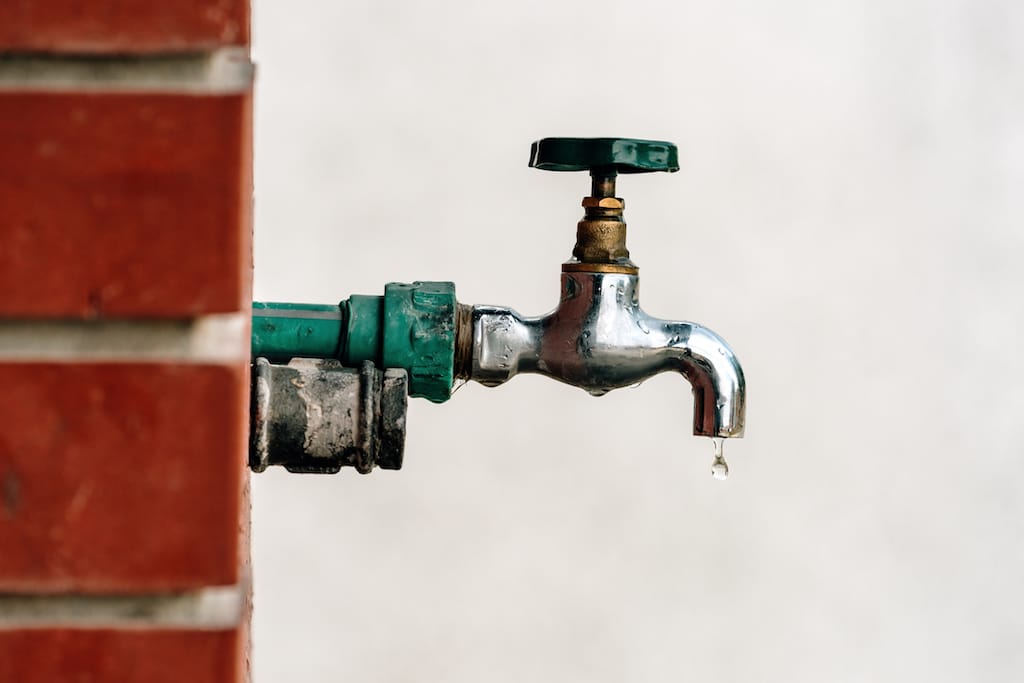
(223, 71)
(207, 339)
(215, 608)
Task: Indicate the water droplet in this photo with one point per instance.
(597, 392)
(719, 468)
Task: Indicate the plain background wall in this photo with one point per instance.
(848, 216)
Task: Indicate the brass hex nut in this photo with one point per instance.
(603, 203)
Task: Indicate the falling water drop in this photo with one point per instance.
(719, 468)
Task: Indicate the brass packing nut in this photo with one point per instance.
(604, 203)
(601, 235)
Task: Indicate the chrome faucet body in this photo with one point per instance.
(599, 339)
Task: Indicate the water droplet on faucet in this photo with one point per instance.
(719, 468)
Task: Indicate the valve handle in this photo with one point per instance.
(617, 155)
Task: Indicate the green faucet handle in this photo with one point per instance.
(622, 155)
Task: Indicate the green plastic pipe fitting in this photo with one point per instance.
(412, 326)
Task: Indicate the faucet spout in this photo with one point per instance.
(599, 339)
(719, 388)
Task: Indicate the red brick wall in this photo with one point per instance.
(122, 26)
(125, 267)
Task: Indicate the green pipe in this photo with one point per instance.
(412, 327)
(283, 331)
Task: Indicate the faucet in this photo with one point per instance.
(597, 338)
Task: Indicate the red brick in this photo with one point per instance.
(121, 478)
(122, 656)
(122, 26)
(119, 205)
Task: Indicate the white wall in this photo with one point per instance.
(848, 216)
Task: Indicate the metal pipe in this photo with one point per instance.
(317, 416)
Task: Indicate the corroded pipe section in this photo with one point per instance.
(316, 416)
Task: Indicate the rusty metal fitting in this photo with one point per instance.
(316, 416)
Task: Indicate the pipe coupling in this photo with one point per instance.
(316, 416)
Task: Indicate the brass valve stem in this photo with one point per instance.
(601, 234)
(602, 183)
